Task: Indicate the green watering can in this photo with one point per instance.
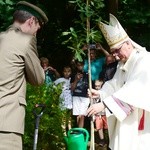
(77, 139)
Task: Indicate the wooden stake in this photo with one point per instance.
(92, 141)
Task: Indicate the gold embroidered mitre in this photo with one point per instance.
(113, 32)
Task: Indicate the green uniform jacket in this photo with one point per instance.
(19, 63)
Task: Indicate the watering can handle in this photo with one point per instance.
(80, 130)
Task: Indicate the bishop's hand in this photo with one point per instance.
(95, 108)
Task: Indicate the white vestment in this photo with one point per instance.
(126, 96)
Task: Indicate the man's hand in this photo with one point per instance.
(99, 46)
(93, 93)
(95, 108)
(78, 76)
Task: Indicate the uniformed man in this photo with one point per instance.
(19, 63)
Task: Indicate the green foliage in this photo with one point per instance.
(76, 42)
(6, 11)
(50, 135)
(135, 16)
(78, 35)
(136, 12)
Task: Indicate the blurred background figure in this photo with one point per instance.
(100, 118)
(79, 86)
(97, 61)
(51, 74)
(65, 98)
(109, 68)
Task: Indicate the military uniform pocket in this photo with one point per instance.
(22, 101)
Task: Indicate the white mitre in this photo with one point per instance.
(114, 33)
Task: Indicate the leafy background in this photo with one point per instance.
(50, 134)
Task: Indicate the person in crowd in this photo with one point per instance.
(65, 97)
(96, 62)
(125, 97)
(51, 74)
(19, 64)
(100, 118)
(79, 86)
(109, 68)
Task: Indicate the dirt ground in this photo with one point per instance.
(97, 147)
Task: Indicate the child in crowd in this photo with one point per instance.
(100, 118)
(51, 73)
(66, 97)
(79, 86)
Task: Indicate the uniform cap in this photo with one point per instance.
(34, 10)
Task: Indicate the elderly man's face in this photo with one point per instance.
(123, 51)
